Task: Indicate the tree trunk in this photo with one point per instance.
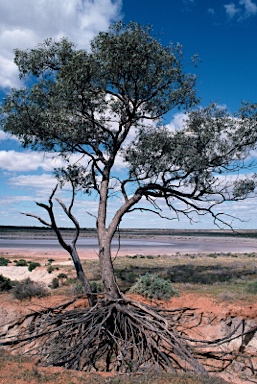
(107, 271)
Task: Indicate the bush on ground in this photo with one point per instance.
(252, 287)
(97, 286)
(62, 276)
(33, 265)
(26, 289)
(55, 283)
(21, 263)
(154, 287)
(4, 262)
(77, 288)
(5, 284)
(50, 269)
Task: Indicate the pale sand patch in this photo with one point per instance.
(21, 273)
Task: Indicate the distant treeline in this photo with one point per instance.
(252, 233)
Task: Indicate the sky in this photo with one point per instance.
(222, 33)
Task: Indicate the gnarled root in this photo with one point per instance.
(114, 335)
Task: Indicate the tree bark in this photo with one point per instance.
(105, 236)
(106, 265)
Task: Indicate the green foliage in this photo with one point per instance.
(50, 269)
(154, 287)
(62, 276)
(55, 283)
(26, 289)
(252, 288)
(77, 288)
(97, 286)
(213, 255)
(21, 263)
(33, 265)
(4, 262)
(5, 284)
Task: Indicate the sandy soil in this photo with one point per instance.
(40, 273)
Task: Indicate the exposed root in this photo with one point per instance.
(117, 335)
(114, 335)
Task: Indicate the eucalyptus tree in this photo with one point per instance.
(84, 102)
(108, 104)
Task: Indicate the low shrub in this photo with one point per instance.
(26, 289)
(252, 287)
(55, 283)
(62, 276)
(5, 284)
(21, 263)
(154, 287)
(96, 286)
(77, 288)
(4, 262)
(50, 269)
(33, 265)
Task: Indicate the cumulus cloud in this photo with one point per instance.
(249, 6)
(44, 181)
(27, 23)
(31, 161)
(244, 9)
(7, 136)
(231, 10)
(27, 161)
(178, 121)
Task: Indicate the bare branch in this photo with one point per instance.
(38, 218)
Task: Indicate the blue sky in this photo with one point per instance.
(223, 34)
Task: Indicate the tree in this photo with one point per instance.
(90, 102)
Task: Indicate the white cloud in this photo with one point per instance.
(7, 136)
(250, 7)
(44, 181)
(24, 24)
(211, 11)
(245, 9)
(32, 161)
(231, 10)
(178, 121)
(27, 161)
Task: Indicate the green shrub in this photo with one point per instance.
(33, 265)
(50, 269)
(5, 284)
(213, 255)
(4, 262)
(62, 276)
(21, 263)
(154, 287)
(26, 289)
(55, 283)
(97, 286)
(252, 287)
(77, 288)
